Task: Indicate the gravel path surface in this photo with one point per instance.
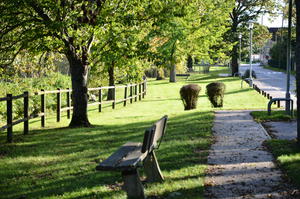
(240, 167)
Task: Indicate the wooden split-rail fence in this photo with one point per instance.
(132, 93)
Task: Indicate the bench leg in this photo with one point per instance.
(133, 185)
(152, 169)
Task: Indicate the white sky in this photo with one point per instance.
(274, 22)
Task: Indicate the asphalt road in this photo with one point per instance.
(272, 82)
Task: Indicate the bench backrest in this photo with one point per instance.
(154, 135)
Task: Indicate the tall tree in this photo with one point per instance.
(65, 26)
(192, 28)
(68, 27)
(243, 12)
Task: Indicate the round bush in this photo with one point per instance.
(189, 96)
(247, 74)
(215, 92)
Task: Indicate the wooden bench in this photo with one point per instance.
(133, 155)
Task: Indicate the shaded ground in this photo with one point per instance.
(240, 167)
(282, 130)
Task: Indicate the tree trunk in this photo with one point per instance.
(79, 75)
(172, 64)
(297, 57)
(234, 52)
(111, 74)
(234, 60)
(190, 63)
(173, 73)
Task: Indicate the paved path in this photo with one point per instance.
(272, 82)
(282, 130)
(240, 167)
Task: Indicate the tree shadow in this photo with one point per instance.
(50, 162)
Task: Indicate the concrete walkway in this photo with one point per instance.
(272, 82)
(240, 167)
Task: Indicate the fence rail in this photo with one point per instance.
(136, 91)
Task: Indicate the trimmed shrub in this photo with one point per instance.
(247, 74)
(189, 96)
(215, 92)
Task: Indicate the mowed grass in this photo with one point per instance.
(278, 115)
(58, 162)
(287, 154)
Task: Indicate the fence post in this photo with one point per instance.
(9, 118)
(145, 87)
(125, 95)
(43, 108)
(135, 92)
(100, 99)
(278, 104)
(114, 95)
(58, 105)
(26, 109)
(140, 91)
(131, 93)
(69, 103)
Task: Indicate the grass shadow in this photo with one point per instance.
(64, 159)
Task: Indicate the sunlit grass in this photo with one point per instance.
(278, 115)
(287, 153)
(57, 162)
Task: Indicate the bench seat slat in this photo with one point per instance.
(125, 158)
(133, 159)
(183, 75)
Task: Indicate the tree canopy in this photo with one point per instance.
(114, 32)
(244, 12)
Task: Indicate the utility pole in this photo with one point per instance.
(250, 75)
(289, 54)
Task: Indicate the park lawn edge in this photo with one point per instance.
(276, 115)
(287, 157)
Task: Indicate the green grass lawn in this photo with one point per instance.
(57, 162)
(278, 115)
(287, 154)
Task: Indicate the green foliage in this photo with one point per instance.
(243, 13)
(32, 85)
(192, 27)
(262, 116)
(215, 92)
(278, 52)
(261, 35)
(189, 96)
(28, 64)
